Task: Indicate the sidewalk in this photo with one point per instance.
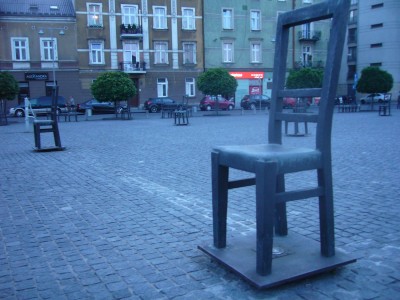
(119, 214)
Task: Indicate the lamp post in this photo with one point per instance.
(53, 48)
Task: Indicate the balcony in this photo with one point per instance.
(308, 35)
(131, 31)
(133, 68)
(308, 64)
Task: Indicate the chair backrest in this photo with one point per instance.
(54, 103)
(338, 12)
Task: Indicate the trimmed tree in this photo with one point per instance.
(8, 90)
(374, 80)
(217, 81)
(113, 87)
(305, 78)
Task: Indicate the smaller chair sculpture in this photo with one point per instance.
(48, 125)
(294, 255)
(181, 114)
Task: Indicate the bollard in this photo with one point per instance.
(26, 102)
(88, 113)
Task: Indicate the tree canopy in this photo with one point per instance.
(374, 80)
(8, 86)
(217, 81)
(113, 86)
(305, 78)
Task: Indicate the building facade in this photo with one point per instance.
(158, 43)
(240, 36)
(38, 46)
(373, 40)
(165, 44)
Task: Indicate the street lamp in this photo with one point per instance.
(53, 54)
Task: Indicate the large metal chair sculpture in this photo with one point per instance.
(294, 256)
(48, 125)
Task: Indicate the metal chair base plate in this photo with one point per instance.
(48, 149)
(297, 257)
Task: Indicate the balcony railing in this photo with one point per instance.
(131, 31)
(309, 35)
(129, 67)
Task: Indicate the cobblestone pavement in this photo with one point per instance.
(119, 214)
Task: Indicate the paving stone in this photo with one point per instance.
(120, 213)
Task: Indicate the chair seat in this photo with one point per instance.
(288, 159)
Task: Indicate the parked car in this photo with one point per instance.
(255, 101)
(210, 102)
(378, 98)
(40, 105)
(289, 102)
(154, 105)
(98, 107)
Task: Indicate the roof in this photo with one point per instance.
(40, 8)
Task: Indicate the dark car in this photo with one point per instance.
(41, 105)
(255, 101)
(209, 103)
(98, 107)
(154, 105)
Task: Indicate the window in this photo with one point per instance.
(129, 14)
(20, 49)
(352, 36)
(188, 18)
(306, 31)
(377, 64)
(131, 55)
(159, 17)
(376, 45)
(96, 53)
(227, 18)
(190, 87)
(227, 52)
(48, 52)
(352, 54)
(379, 25)
(95, 18)
(162, 87)
(353, 16)
(378, 5)
(255, 20)
(189, 53)
(160, 52)
(255, 52)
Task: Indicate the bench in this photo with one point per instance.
(348, 108)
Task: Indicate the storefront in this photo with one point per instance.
(251, 83)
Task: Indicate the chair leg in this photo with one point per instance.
(219, 177)
(326, 213)
(36, 133)
(266, 179)
(56, 134)
(280, 210)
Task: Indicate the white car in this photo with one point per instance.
(378, 98)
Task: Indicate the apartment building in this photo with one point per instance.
(240, 36)
(38, 46)
(158, 43)
(373, 40)
(67, 42)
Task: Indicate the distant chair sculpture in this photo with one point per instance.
(271, 161)
(48, 125)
